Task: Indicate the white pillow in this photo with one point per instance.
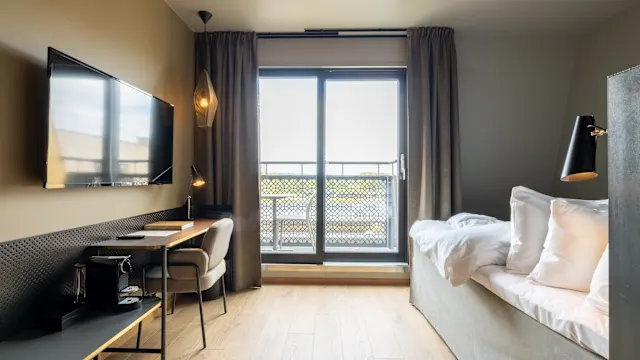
(468, 219)
(578, 235)
(599, 290)
(529, 218)
(530, 212)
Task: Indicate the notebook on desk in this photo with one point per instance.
(154, 233)
(169, 225)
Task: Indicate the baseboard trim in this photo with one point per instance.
(333, 281)
(336, 274)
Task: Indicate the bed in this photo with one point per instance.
(486, 318)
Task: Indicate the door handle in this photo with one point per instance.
(403, 169)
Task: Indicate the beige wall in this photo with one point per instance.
(140, 41)
(606, 50)
(511, 90)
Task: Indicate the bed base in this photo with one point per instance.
(478, 325)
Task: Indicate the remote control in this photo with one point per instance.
(130, 237)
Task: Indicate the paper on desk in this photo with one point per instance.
(155, 232)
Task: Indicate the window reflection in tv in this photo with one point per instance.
(104, 132)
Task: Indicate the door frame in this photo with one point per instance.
(322, 75)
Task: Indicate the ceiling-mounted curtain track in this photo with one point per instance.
(338, 33)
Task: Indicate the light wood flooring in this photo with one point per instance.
(299, 322)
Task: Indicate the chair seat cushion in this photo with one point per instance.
(154, 280)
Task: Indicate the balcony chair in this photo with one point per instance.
(282, 219)
(193, 270)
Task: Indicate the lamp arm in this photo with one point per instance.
(598, 131)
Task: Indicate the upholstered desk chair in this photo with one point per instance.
(193, 270)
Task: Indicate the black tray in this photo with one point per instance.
(65, 314)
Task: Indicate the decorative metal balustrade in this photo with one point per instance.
(360, 209)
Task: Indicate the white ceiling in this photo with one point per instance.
(549, 17)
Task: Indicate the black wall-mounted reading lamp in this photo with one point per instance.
(580, 164)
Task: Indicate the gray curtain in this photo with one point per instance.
(433, 143)
(227, 154)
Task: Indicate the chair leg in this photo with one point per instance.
(224, 295)
(139, 335)
(204, 338)
(173, 303)
(278, 240)
(281, 231)
(311, 237)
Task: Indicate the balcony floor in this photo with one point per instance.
(330, 249)
(335, 242)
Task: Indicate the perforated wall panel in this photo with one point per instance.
(35, 270)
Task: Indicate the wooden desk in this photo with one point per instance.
(157, 242)
(84, 340)
(162, 244)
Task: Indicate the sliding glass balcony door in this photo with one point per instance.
(288, 171)
(332, 166)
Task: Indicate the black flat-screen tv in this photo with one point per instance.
(103, 131)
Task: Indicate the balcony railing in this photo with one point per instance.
(360, 206)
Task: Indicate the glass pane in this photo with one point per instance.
(134, 135)
(361, 154)
(76, 118)
(288, 154)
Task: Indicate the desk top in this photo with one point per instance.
(199, 227)
(84, 340)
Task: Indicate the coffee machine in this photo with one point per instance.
(108, 283)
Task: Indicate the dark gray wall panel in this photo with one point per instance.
(624, 215)
(33, 271)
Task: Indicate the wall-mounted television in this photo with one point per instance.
(103, 131)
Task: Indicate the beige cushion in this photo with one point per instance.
(154, 279)
(216, 241)
(191, 256)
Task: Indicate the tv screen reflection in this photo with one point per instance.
(103, 132)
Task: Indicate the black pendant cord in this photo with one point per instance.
(205, 16)
(206, 45)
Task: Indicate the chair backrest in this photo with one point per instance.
(216, 241)
(307, 211)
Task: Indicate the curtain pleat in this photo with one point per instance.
(227, 154)
(434, 185)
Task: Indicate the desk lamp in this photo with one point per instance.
(196, 181)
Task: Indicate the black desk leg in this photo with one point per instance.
(139, 335)
(163, 331)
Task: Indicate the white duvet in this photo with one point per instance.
(458, 252)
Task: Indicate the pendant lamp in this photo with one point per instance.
(205, 100)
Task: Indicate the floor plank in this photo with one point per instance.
(304, 309)
(378, 321)
(327, 343)
(353, 330)
(298, 347)
(299, 322)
